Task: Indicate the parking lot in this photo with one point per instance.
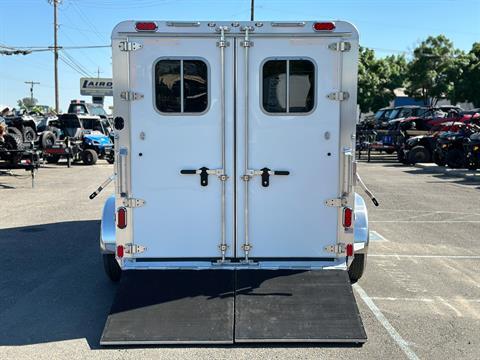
(419, 298)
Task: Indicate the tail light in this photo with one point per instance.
(347, 217)
(146, 26)
(122, 218)
(120, 251)
(349, 249)
(324, 26)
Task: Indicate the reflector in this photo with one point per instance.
(349, 249)
(120, 251)
(122, 218)
(146, 26)
(324, 26)
(347, 217)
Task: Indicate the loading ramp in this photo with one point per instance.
(233, 306)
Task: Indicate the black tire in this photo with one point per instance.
(29, 134)
(89, 157)
(13, 142)
(438, 158)
(14, 131)
(112, 269)
(53, 159)
(357, 268)
(455, 158)
(419, 154)
(389, 151)
(48, 139)
(110, 160)
(401, 157)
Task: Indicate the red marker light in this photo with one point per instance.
(324, 26)
(349, 249)
(146, 26)
(120, 251)
(122, 218)
(347, 217)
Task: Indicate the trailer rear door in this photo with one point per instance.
(288, 139)
(178, 147)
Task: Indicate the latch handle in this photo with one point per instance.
(203, 172)
(281, 172)
(266, 172)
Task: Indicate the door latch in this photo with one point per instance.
(265, 173)
(204, 172)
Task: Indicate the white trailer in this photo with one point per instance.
(234, 170)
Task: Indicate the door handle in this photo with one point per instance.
(204, 172)
(265, 173)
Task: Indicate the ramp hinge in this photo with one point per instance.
(340, 46)
(134, 249)
(133, 203)
(336, 249)
(131, 95)
(337, 202)
(129, 46)
(338, 96)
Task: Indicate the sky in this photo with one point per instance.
(387, 26)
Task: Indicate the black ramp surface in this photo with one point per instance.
(301, 306)
(172, 306)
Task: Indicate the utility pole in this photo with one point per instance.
(55, 49)
(252, 10)
(31, 88)
(98, 72)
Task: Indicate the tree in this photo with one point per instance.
(378, 78)
(432, 71)
(469, 78)
(27, 103)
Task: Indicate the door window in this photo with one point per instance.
(181, 86)
(288, 86)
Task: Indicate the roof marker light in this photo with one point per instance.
(324, 26)
(146, 26)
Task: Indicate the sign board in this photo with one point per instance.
(96, 86)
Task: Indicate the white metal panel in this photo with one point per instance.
(181, 218)
(289, 219)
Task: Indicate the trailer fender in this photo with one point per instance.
(361, 232)
(107, 227)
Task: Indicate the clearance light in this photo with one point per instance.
(324, 26)
(349, 249)
(347, 217)
(120, 251)
(146, 26)
(122, 218)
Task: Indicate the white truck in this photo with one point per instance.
(235, 217)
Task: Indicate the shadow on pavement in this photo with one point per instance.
(52, 284)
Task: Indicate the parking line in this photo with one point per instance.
(386, 324)
(468, 257)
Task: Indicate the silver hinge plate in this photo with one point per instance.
(131, 95)
(338, 202)
(335, 249)
(340, 46)
(133, 203)
(246, 43)
(338, 96)
(129, 46)
(134, 249)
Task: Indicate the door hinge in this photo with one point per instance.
(129, 46)
(338, 96)
(133, 203)
(340, 46)
(131, 95)
(336, 249)
(337, 202)
(134, 249)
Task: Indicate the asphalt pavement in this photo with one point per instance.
(419, 298)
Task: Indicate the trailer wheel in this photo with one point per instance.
(357, 267)
(89, 157)
(112, 269)
(29, 134)
(48, 139)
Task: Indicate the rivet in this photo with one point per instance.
(327, 135)
(142, 136)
